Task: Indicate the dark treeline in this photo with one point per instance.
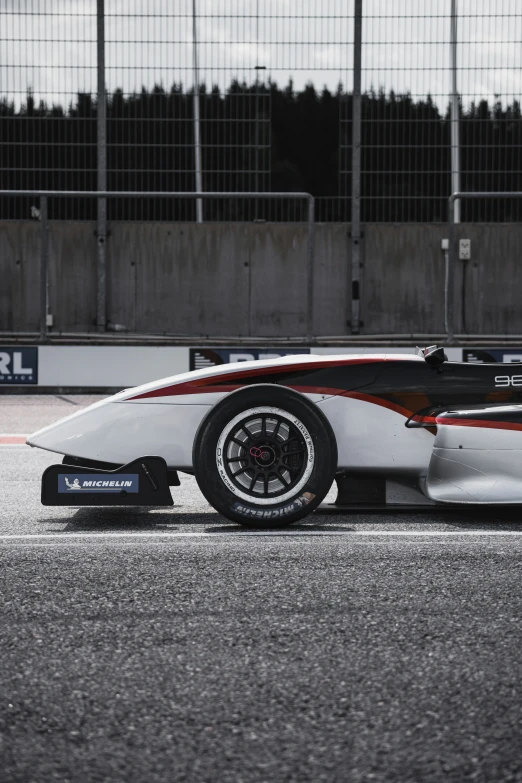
(262, 137)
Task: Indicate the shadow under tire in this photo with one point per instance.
(265, 456)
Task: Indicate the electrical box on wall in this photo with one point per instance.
(465, 249)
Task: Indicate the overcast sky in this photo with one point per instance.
(50, 45)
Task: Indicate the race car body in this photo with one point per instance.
(477, 456)
(366, 415)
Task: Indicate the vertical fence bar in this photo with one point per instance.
(455, 140)
(101, 227)
(356, 169)
(197, 134)
(44, 268)
(310, 271)
(449, 272)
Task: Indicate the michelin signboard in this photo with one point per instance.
(18, 366)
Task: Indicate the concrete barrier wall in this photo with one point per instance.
(403, 279)
(19, 276)
(489, 286)
(250, 279)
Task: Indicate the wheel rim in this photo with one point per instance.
(265, 455)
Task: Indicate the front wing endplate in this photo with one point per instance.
(143, 482)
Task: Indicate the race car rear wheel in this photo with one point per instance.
(265, 456)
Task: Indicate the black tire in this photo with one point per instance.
(284, 450)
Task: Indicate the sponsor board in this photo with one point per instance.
(92, 482)
(484, 356)
(200, 358)
(108, 366)
(128, 366)
(18, 365)
(453, 354)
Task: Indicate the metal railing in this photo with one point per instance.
(101, 196)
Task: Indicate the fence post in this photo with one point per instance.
(356, 169)
(101, 226)
(44, 268)
(449, 271)
(455, 141)
(310, 271)
(197, 133)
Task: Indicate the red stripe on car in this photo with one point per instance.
(213, 384)
(392, 406)
(487, 424)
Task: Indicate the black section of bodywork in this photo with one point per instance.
(89, 463)
(173, 478)
(354, 489)
(416, 386)
(342, 377)
(153, 485)
(412, 385)
(172, 475)
(345, 377)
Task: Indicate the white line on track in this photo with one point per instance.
(258, 533)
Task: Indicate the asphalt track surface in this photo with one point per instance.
(175, 646)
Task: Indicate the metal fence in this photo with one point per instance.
(105, 95)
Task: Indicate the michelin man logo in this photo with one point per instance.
(74, 485)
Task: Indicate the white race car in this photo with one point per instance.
(265, 439)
